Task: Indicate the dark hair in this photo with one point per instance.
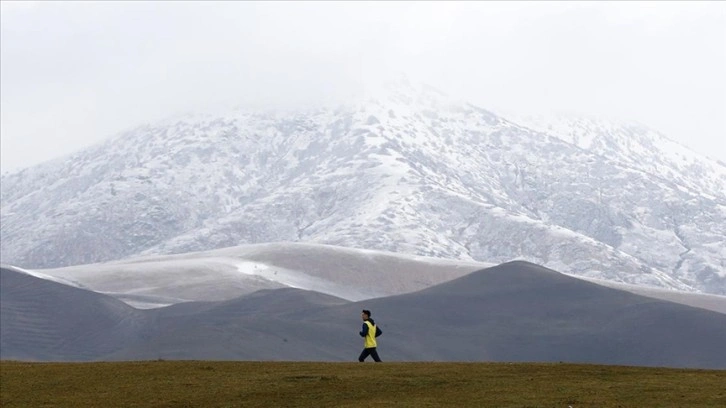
(367, 312)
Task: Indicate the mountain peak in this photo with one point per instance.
(412, 172)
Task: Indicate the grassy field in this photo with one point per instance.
(283, 384)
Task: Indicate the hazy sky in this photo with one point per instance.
(73, 74)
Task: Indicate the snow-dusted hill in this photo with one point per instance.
(344, 273)
(410, 171)
(227, 273)
(516, 311)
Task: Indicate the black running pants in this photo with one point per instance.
(371, 351)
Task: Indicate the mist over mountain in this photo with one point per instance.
(408, 170)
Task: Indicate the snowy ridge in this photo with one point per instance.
(45, 276)
(408, 170)
(636, 146)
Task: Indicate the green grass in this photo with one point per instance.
(283, 384)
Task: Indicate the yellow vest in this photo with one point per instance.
(371, 336)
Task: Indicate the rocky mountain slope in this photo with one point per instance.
(410, 171)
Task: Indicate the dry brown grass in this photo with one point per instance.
(287, 384)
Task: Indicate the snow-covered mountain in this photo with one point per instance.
(409, 171)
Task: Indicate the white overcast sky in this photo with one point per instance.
(73, 74)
